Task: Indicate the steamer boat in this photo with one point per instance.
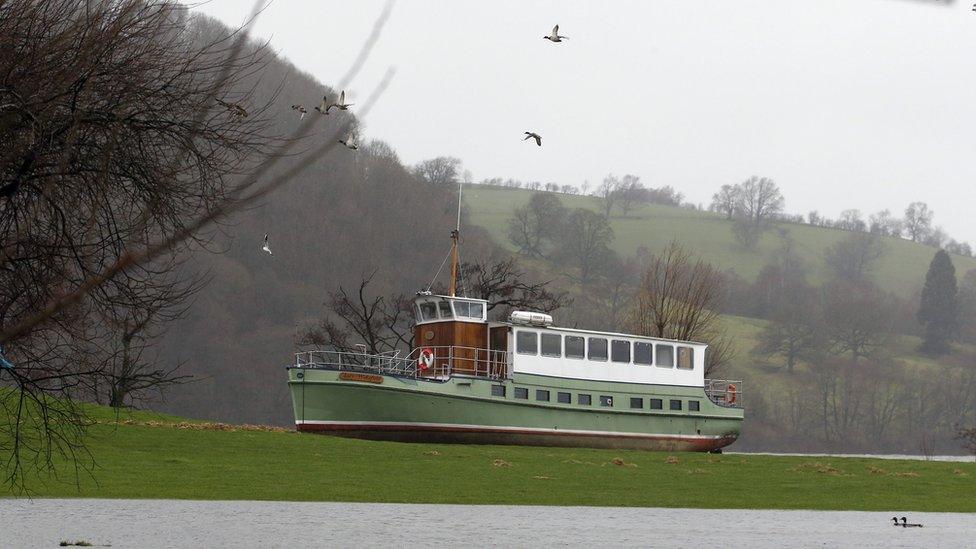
(523, 381)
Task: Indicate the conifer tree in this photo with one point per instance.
(938, 309)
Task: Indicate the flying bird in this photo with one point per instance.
(341, 103)
(301, 109)
(234, 108)
(324, 107)
(266, 246)
(554, 37)
(350, 142)
(533, 135)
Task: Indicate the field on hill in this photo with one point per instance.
(148, 455)
(901, 270)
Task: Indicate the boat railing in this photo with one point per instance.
(724, 392)
(440, 362)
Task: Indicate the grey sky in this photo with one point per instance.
(864, 104)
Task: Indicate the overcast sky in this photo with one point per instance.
(865, 104)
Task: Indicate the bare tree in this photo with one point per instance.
(884, 224)
(506, 287)
(725, 200)
(759, 200)
(850, 220)
(968, 439)
(918, 221)
(679, 299)
(535, 226)
(629, 192)
(584, 243)
(607, 192)
(857, 319)
(854, 257)
(443, 171)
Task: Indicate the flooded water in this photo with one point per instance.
(914, 457)
(168, 523)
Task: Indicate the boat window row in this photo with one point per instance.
(601, 349)
(442, 310)
(586, 399)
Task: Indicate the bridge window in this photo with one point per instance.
(665, 356)
(675, 404)
(465, 309)
(445, 308)
(686, 358)
(542, 394)
(620, 351)
(598, 348)
(636, 402)
(428, 310)
(552, 345)
(521, 392)
(584, 399)
(477, 310)
(694, 406)
(564, 398)
(643, 353)
(657, 404)
(575, 347)
(527, 343)
(461, 308)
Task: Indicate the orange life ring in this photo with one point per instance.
(426, 358)
(731, 393)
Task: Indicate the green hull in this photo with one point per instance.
(464, 410)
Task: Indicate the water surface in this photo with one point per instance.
(174, 523)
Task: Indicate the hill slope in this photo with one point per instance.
(901, 270)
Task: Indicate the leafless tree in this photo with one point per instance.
(535, 226)
(759, 200)
(125, 136)
(629, 192)
(884, 224)
(855, 257)
(506, 287)
(968, 439)
(851, 220)
(857, 319)
(443, 171)
(607, 192)
(918, 221)
(584, 244)
(679, 298)
(725, 200)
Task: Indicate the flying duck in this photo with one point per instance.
(324, 107)
(301, 109)
(554, 37)
(341, 103)
(266, 246)
(533, 135)
(234, 108)
(350, 142)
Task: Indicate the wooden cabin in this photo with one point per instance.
(456, 330)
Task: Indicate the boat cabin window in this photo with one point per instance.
(598, 348)
(564, 398)
(552, 345)
(686, 358)
(428, 310)
(575, 347)
(584, 399)
(465, 309)
(521, 392)
(542, 394)
(643, 353)
(636, 402)
(526, 343)
(620, 351)
(675, 404)
(694, 406)
(606, 400)
(665, 356)
(657, 404)
(445, 308)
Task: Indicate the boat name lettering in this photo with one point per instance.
(368, 378)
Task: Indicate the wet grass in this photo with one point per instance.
(152, 456)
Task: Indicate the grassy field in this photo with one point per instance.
(152, 456)
(901, 270)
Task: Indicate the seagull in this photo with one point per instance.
(533, 135)
(324, 107)
(301, 109)
(266, 247)
(234, 108)
(554, 37)
(350, 142)
(341, 103)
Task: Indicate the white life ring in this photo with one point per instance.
(426, 358)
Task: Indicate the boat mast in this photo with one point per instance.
(455, 234)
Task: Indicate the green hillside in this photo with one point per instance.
(901, 270)
(148, 455)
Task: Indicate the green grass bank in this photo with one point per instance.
(152, 456)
